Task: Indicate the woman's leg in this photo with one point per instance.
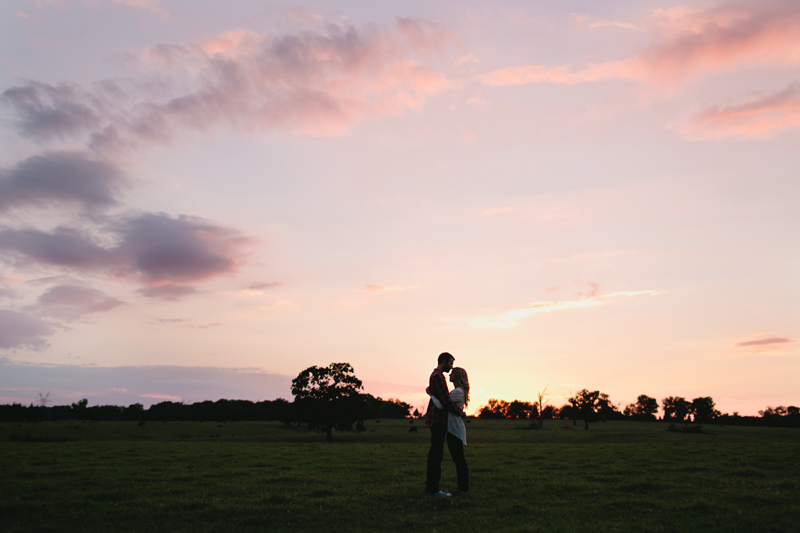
(456, 448)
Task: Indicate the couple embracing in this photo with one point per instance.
(445, 416)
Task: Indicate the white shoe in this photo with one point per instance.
(441, 493)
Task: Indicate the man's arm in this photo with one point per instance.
(439, 390)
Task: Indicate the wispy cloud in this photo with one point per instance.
(688, 41)
(510, 318)
(425, 37)
(466, 60)
(26, 16)
(388, 288)
(316, 82)
(167, 292)
(70, 302)
(162, 397)
(764, 343)
(165, 321)
(209, 325)
(264, 286)
(301, 15)
(588, 21)
(761, 117)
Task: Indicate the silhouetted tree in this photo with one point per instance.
(588, 404)
(540, 405)
(503, 409)
(518, 409)
(80, 406)
(328, 397)
(549, 412)
(773, 411)
(566, 412)
(781, 416)
(494, 409)
(645, 408)
(134, 411)
(675, 408)
(702, 409)
(607, 410)
(380, 408)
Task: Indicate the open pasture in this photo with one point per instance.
(264, 476)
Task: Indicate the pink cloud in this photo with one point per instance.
(311, 83)
(264, 285)
(561, 74)
(764, 343)
(162, 397)
(592, 289)
(465, 60)
(688, 41)
(233, 44)
(759, 118)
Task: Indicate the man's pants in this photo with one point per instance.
(435, 456)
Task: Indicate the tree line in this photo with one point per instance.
(325, 397)
(328, 398)
(591, 406)
(167, 411)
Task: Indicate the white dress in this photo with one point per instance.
(455, 424)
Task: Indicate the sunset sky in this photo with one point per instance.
(200, 199)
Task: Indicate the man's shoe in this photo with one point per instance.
(441, 493)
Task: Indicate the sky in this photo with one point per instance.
(198, 200)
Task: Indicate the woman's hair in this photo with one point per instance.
(460, 379)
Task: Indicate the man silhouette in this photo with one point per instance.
(436, 419)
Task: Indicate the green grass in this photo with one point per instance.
(249, 476)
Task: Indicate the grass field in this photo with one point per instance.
(263, 476)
